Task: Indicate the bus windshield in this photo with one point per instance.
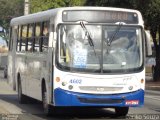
(99, 48)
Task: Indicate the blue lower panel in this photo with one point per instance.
(66, 98)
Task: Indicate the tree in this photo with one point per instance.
(70, 3)
(152, 15)
(41, 5)
(9, 10)
(113, 3)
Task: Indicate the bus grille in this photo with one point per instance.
(99, 88)
(100, 100)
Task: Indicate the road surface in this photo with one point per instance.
(10, 109)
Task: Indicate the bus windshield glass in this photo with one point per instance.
(99, 48)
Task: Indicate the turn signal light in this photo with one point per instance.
(58, 79)
(142, 81)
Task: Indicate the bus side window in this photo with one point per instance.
(44, 36)
(30, 38)
(64, 55)
(18, 48)
(37, 36)
(24, 38)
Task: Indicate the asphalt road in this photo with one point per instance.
(10, 109)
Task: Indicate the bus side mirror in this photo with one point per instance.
(148, 46)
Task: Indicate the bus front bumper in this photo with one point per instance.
(67, 98)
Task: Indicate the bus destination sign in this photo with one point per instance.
(100, 16)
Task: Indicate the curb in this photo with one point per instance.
(153, 88)
(153, 92)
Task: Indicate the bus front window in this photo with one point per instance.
(75, 51)
(97, 48)
(122, 49)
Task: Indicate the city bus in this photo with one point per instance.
(79, 57)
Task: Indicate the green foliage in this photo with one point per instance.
(74, 2)
(9, 10)
(41, 5)
(111, 3)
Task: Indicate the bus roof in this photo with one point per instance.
(46, 15)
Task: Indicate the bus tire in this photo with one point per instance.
(121, 111)
(46, 106)
(5, 75)
(153, 73)
(21, 97)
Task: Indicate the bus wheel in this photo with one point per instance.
(121, 111)
(5, 72)
(46, 106)
(21, 97)
(153, 73)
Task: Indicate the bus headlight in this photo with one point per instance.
(132, 83)
(130, 87)
(64, 83)
(70, 87)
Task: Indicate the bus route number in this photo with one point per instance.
(75, 81)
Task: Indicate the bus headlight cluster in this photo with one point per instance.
(131, 82)
(70, 87)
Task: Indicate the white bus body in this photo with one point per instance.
(97, 71)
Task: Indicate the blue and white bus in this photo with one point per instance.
(79, 56)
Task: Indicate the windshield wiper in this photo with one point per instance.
(114, 34)
(90, 40)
